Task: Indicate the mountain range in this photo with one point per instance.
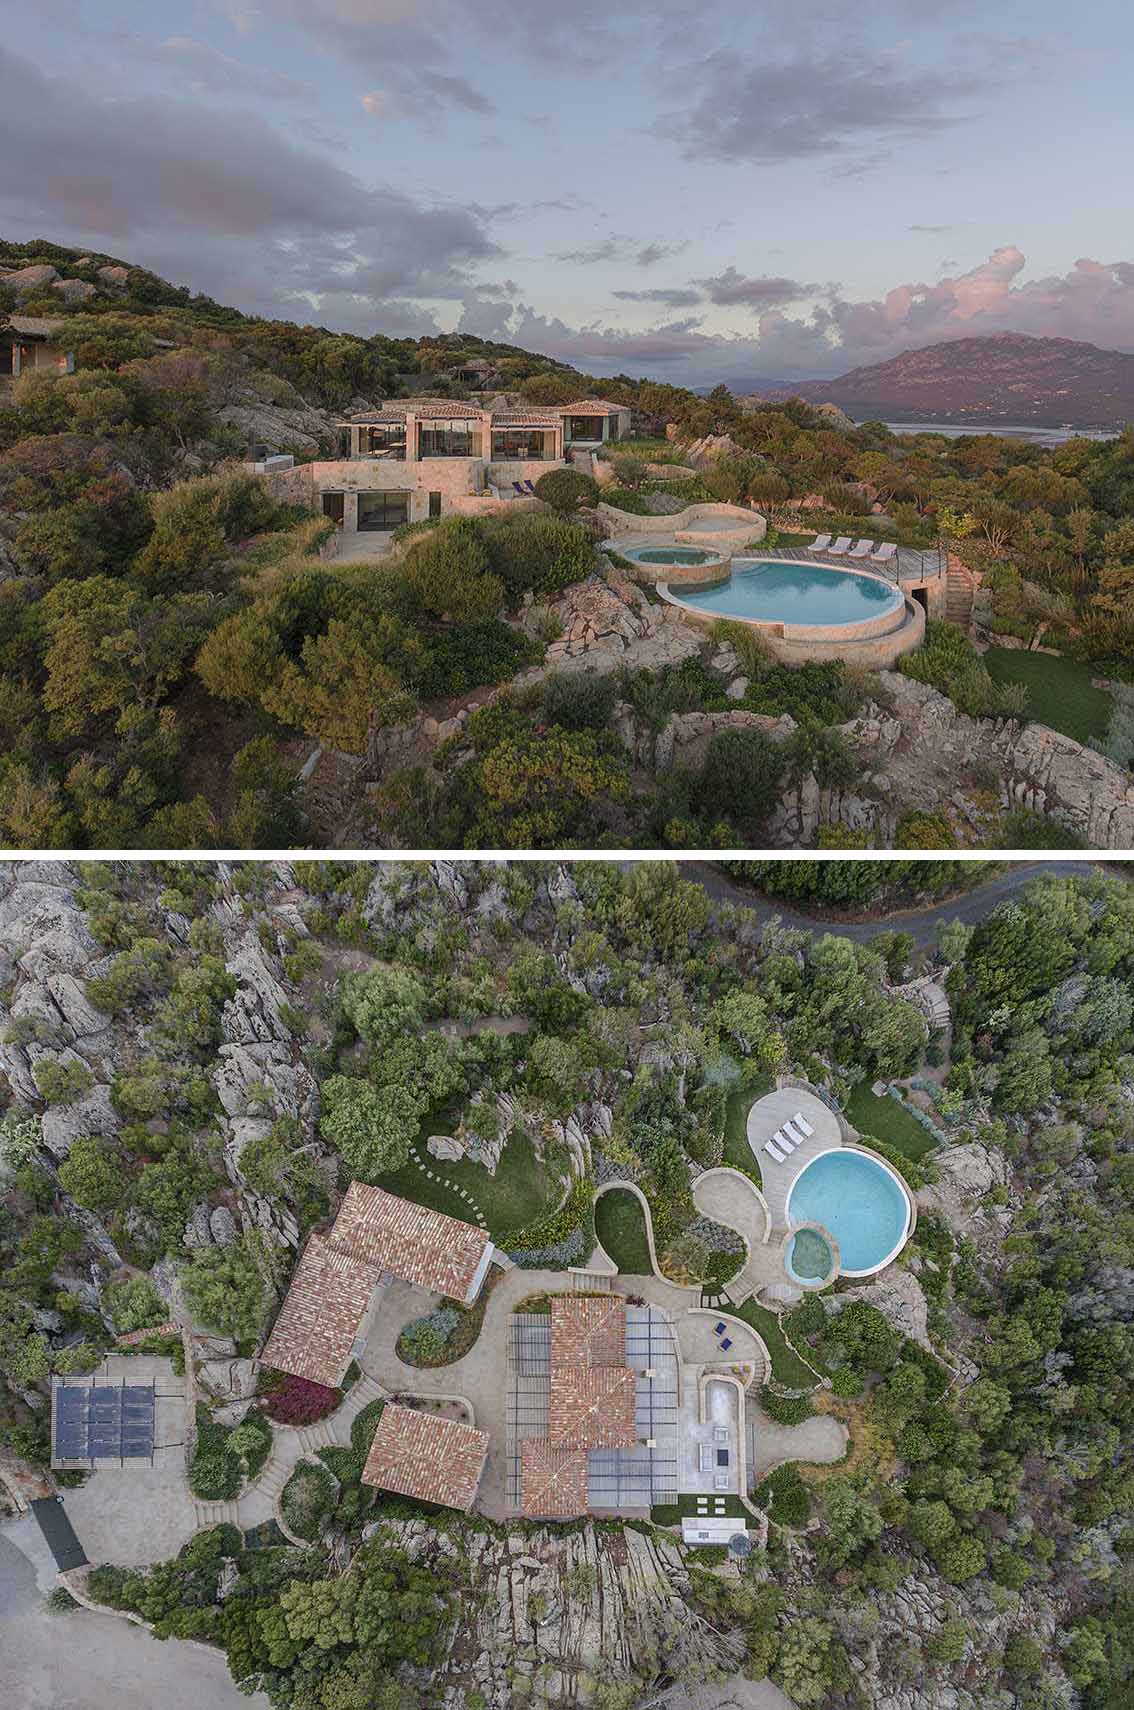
(1000, 379)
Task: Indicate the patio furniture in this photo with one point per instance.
(722, 1481)
(704, 1458)
(885, 552)
(721, 1433)
(791, 1134)
(820, 543)
(785, 1141)
(774, 1150)
(726, 1343)
(529, 487)
(802, 1124)
(862, 550)
(719, 1328)
(518, 488)
(841, 546)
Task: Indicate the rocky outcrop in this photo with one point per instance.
(898, 1296)
(283, 424)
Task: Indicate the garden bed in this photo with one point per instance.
(620, 1228)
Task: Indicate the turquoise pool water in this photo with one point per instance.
(669, 555)
(796, 593)
(859, 1200)
(809, 1257)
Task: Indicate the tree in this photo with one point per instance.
(740, 779)
(372, 1127)
(745, 1019)
(383, 1004)
(226, 1291)
(92, 1174)
(449, 572)
(852, 1519)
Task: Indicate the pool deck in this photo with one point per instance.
(770, 1113)
(909, 565)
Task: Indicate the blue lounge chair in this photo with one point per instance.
(519, 488)
(726, 1344)
(719, 1328)
(530, 488)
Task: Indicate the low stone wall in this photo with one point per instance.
(876, 643)
(682, 525)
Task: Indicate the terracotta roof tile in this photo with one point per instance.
(319, 1319)
(591, 407)
(588, 1329)
(525, 418)
(553, 1482)
(426, 1457)
(438, 1253)
(592, 1407)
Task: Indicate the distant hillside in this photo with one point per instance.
(1005, 378)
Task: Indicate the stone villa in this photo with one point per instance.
(28, 343)
(416, 458)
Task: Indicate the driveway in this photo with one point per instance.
(83, 1661)
(920, 923)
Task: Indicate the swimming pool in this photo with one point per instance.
(808, 1258)
(860, 1200)
(812, 595)
(669, 555)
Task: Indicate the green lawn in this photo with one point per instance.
(672, 1513)
(520, 1191)
(737, 1151)
(787, 1366)
(621, 1229)
(1059, 690)
(885, 1118)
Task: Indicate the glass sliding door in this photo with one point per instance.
(382, 510)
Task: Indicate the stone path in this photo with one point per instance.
(290, 1445)
(461, 1193)
(820, 1439)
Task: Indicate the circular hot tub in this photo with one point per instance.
(811, 1256)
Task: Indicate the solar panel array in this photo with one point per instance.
(104, 1422)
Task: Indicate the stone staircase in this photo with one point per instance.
(958, 595)
(216, 1513)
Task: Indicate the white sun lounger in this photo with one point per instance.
(798, 1138)
(885, 552)
(841, 546)
(862, 550)
(820, 543)
(784, 1142)
(802, 1123)
(775, 1151)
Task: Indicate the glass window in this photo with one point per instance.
(387, 440)
(448, 439)
(584, 427)
(519, 444)
(333, 507)
(435, 504)
(382, 510)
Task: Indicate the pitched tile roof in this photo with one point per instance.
(525, 418)
(438, 1253)
(34, 326)
(591, 407)
(592, 1407)
(553, 1482)
(319, 1319)
(592, 1395)
(588, 1329)
(426, 1457)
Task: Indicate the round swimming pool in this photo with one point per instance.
(860, 1200)
(669, 555)
(797, 594)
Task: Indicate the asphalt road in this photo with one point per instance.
(84, 1661)
(921, 923)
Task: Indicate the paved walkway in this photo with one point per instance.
(765, 1117)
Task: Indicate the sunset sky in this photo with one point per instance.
(719, 190)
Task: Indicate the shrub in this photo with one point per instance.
(474, 654)
(785, 1497)
(740, 778)
(579, 700)
(423, 1341)
(566, 489)
(785, 1409)
(299, 1401)
(134, 1304)
(537, 553)
(215, 1477)
(61, 1080)
(307, 1500)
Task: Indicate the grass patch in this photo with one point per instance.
(1060, 692)
(672, 1513)
(787, 1367)
(737, 1152)
(520, 1192)
(621, 1228)
(887, 1119)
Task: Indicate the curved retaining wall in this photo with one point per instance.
(875, 642)
(682, 525)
